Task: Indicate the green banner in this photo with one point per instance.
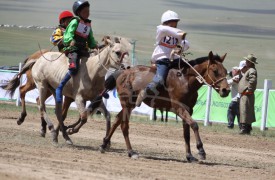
(219, 106)
(270, 122)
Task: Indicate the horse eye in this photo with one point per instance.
(118, 54)
(216, 72)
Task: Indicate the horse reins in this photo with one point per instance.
(109, 56)
(49, 59)
(201, 79)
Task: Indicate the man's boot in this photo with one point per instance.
(244, 129)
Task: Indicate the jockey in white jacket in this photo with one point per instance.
(167, 38)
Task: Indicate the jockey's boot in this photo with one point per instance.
(59, 89)
(150, 90)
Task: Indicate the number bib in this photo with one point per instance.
(169, 42)
(83, 29)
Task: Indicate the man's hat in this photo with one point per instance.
(251, 58)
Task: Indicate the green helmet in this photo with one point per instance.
(79, 5)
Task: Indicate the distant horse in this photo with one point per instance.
(179, 96)
(30, 85)
(47, 73)
(161, 112)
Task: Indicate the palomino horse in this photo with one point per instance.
(179, 96)
(47, 73)
(30, 85)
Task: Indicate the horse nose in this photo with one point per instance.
(122, 66)
(128, 67)
(225, 91)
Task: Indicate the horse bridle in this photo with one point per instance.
(214, 83)
(201, 79)
(109, 56)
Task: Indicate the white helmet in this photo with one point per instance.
(168, 16)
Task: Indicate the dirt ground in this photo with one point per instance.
(26, 155)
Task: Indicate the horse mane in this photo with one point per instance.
(203, 59)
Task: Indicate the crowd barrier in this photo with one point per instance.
(210, 107)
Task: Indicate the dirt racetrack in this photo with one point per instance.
(26, 155)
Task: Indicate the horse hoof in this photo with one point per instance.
(202, 157)
(70, 131)
(191, 159)
(135, 156)
(101, 149)
(69, 142)
(19, 122)
(55, 143)
(43, 134)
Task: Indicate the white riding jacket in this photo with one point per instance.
(166, 40)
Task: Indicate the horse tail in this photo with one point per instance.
(11, 86)
(110, 82)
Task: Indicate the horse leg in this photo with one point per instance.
(161, 111)
(81, 104)
(184, 114)
(23, 90)
(186, 134)
(107, 116)
(166, 116)
(65, 108)
(155, 114)
(58, 111)
(23, 114)
(125, 130)
(43, 129)
(42, 108)
(108, 137)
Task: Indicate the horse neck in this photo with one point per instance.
(101, 62)
(202, 70)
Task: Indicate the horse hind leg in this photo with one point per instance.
(107, 116)
(43, 129)
(125, 130)
(23, 90)
(43, 90)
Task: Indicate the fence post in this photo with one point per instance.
(133, 42)
(18, 102)
(267, 86)
(208, 104)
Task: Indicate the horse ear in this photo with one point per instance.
(223, 57)
(117, 40)
(210, 56)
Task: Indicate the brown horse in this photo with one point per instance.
(179, 96)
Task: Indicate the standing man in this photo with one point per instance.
(233, 108)
(247, 86)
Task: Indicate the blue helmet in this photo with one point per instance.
(79, 5)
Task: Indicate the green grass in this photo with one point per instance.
(215, 127)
